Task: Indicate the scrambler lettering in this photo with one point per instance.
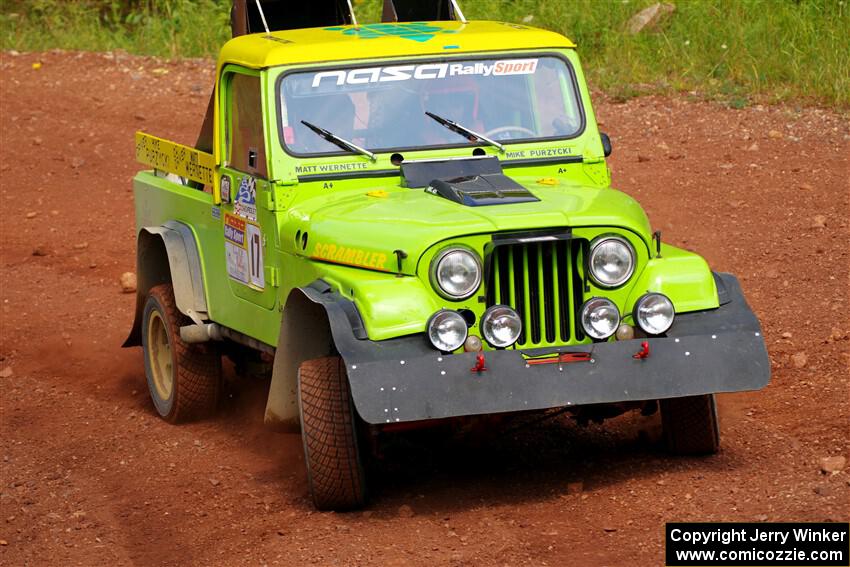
(351, 256)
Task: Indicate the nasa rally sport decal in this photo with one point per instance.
(427, 71)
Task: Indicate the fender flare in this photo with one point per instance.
(316, 322)
(168, 254)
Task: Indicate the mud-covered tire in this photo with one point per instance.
(690, 425)
(184, 379)
(329, 431)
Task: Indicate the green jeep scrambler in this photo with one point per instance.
(414, 221)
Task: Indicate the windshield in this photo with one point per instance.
(383, 108)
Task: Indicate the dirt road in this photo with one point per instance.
(90, 476)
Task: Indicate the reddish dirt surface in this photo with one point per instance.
(91, 476)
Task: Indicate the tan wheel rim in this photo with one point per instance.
(159, 356)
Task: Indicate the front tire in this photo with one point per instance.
(184, 379)
(332, 454)
(690, 425)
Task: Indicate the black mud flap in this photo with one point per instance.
(405, 379)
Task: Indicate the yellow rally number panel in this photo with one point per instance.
(175, 158)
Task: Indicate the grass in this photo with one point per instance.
(736, 51)
(170, 28)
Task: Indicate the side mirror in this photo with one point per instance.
(606, 144)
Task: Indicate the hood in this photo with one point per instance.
(364, 228)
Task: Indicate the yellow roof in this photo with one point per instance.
(340, 43)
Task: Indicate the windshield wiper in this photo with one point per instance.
(470, 135)
(341, 142)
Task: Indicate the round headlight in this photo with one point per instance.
(447, 330)
(501, 326)
(611, 261)
(600, 317)
(654, 313)
(456, 273)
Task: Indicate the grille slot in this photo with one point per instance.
(542, 282)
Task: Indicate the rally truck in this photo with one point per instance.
(411, 223)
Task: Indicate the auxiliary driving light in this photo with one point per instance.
(654, 313)
(447, 330)
(600, 317)
(501, 326)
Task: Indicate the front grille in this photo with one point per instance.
(542, 282)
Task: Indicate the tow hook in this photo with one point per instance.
(643, 352)
(480, 364)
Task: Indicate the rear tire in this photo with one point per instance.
(690, 425)
(184, 379)
(329, 432)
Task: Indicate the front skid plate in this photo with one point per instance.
(402, 380)
(432, 387)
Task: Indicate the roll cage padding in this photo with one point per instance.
(280, 15)
(287, 15)
(417, 11)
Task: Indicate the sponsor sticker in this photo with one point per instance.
(255, 256)
(425, 71)
(225, 189)
(234, 229)
(245, 204)
(237, 262)
(243, 247)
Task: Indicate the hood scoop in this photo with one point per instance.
(473, 182)
(478, 190)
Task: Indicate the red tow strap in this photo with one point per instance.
(562, 358)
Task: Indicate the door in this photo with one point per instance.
(248, 224)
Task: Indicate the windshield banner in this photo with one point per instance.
(425, 71)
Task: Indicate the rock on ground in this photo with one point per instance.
(799, 360)
(650, 18)
(128, 282)
(832, 465)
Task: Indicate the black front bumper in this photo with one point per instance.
(401, 380)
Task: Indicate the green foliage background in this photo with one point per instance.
(731, 50)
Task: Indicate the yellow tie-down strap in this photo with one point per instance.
(175, 158)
